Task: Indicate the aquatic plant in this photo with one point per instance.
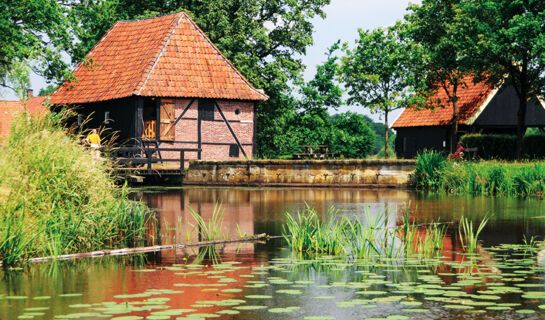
(56, 199)
(469, 237)
(428, 169)
(213, 230)
(370, 237)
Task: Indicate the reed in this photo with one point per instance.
(213, 229)
(367, 238)
(56, 199)
(469, 237)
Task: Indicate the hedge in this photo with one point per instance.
(503, 147)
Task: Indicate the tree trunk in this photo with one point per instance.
(521, 120)
(454, 127)
(386, 134)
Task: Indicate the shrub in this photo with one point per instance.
(491, 146)
(502, 147)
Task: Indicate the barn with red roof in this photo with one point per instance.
(162, 80)
(482, 108)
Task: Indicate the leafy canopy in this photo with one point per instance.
(35, 30)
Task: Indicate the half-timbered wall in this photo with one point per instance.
(213, 137)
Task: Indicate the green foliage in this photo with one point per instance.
(351, 135)
(33, 29)
(429, 170)
(48, 90)
(504, 42)
(379, 71)
(491, 146)
(367, 238)
(481, 178)
(503, 147)
(56, 199)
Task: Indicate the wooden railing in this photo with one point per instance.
(135, 156)
(150, 129)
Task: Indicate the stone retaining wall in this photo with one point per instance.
(312, 173)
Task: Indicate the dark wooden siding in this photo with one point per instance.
(409, 141)
(502, 111)
(123, 118)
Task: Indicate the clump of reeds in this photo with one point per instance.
(429, 169)
(211, 230)
(351, 236)
(468, 236)
(56, 199)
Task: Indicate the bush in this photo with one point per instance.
(429, 169)
(503, 147)
(57, 198)
(491, 146)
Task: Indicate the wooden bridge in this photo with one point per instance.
(148, 161)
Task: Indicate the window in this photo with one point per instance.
(234, 151)
(80, 119)
(206, 109)
(107, 117)
(237, 111)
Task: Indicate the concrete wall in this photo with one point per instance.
(349, 173)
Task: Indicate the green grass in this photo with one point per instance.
(495, 178)
(56, 199)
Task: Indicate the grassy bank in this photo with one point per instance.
(435, 173)
(56, 199)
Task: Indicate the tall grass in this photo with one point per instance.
(494, 178)
(351, 236)
(429, 169)
(468, 236)
(213, 230)
(56, 199)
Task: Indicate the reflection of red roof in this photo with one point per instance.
(168, 56)
(9, 108)
(470, 98)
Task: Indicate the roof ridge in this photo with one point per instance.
(223, 57)
(143, 82)
(151, 18)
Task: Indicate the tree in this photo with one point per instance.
(433, 25)
(505, 42)
(262, 38)
(378, 72)
(352, 135)
(33, 29)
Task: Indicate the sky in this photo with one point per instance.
(343, 19)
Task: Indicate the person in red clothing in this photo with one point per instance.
(459, 153)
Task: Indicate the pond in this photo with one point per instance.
(265, 281)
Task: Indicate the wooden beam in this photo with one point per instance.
(230, 129)
(183, 112)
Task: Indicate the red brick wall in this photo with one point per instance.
(213, 131)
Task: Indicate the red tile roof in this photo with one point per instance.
(168, 56)
(8, 109)
(470, 98)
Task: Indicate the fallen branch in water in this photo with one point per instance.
(127, 251)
